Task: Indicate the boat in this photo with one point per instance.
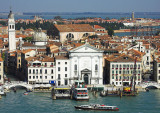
(97, 107)
(2, 93)
(80, 91)
(61, 92)
(25, 93)
(80, 94)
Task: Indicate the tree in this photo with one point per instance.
(58, 18)
(110, 31)
(27, 38)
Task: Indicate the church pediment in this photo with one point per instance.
(86, 48)
(86, 70)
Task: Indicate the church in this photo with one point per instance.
(84, 63)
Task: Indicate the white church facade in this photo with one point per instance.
(84, 63)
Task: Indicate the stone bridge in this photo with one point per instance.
(12, 84)
(17, 83)
(150, 84)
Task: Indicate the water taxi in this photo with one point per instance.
(80, 94)
(80, 91)
(97, 107)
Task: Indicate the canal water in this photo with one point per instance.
(145, 102)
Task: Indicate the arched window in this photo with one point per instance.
(85, 35)
(96, 67)
(75, 67)
(70, 36)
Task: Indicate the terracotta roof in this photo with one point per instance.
(75, 28)
(42, 58)
(61, 57)
(98, 27)
(121, 58)
(27, 44)
(26, 51)
(1, 59)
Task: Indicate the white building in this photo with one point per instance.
(11, 32)
(41, 70)
(86, 64)
(62, 70)
(1, 71)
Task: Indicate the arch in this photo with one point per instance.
(152, 87)
(12, 86)
(70, 36)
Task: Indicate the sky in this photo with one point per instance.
(80, 5)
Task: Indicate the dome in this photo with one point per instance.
(39, 36)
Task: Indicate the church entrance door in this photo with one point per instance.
(85, 78)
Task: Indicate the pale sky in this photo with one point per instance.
(80, 5)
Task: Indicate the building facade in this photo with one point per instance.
(86, 64)
(1, 71)
(120, 69)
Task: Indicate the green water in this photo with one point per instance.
(145, 102)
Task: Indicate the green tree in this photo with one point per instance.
(58, 17)
(110, 31)
(28, 39)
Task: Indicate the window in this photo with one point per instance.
(65, 75)
(119, 72)
(159, 77)
(29, 77)
(59, 69)
(65, 62)
(51, 71)
(112, 76)
(45, 71)
(96, 67)
(52, 64)
(33, 71)
(65, 68)
(59, 83)
(40, 77)
(58, 62)
(117, 66)
(45, 77)
(29, 71)
(12, 26)
(40, 71)
(45, 64)
(36, 71)
(0, 64)
(51, 77)
(36, 77)
(65, 82)
(112, 72)
(75, 67)
(159, 71)
(147, 58)
(59, 76)
(120, 66)
(112, 66)
(33, 77)
(159, 65)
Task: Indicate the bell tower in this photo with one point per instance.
(11, 32)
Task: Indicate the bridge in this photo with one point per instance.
(17, 83)
(150, 84)
(13, 84)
